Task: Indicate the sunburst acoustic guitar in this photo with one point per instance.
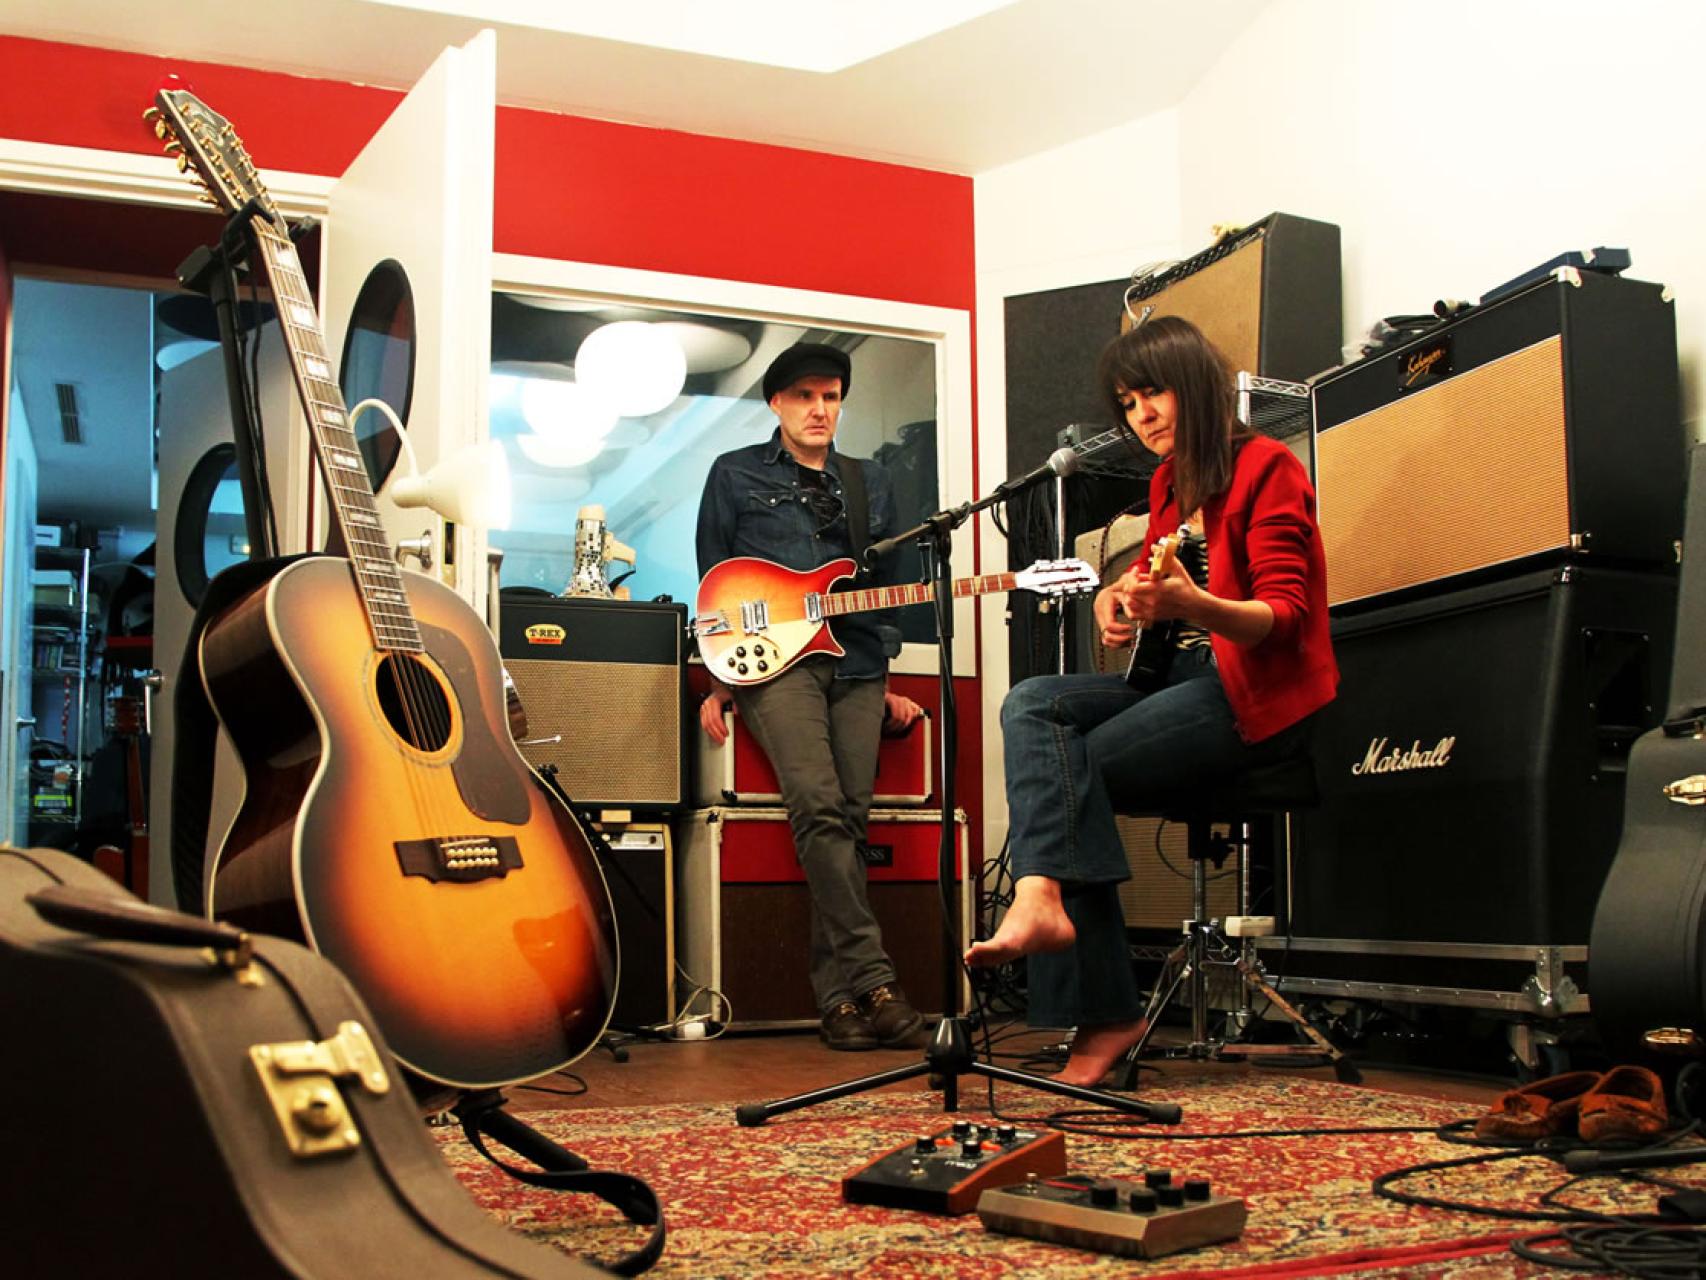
(388, 820)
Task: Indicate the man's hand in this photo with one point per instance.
(711, 713)
(900, 713)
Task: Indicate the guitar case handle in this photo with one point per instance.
(131, 921)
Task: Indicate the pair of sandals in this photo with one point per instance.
(1625, 1104)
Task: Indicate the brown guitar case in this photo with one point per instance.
(186, 1101)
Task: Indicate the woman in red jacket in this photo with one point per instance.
(1250, 661)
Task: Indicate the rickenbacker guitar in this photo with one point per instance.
(388, 820)
(1152, 645)
(754, 618)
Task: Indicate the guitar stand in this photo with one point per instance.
(949, 1056)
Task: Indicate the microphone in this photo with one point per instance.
(1062, 462)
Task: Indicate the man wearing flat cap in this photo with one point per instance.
(794, 500)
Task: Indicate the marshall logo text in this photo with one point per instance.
(1381, 760)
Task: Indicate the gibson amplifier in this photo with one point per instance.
(1472, 768)
(603, 683)
(1542, 424)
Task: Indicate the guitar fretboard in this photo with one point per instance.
(335, 447)
(911, 593)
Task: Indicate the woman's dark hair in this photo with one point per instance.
(1170, 354)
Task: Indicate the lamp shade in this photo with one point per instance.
(470, 486)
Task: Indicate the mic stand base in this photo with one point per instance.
(949, 1056)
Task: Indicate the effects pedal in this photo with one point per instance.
(1129, 1217)
(947, 1171)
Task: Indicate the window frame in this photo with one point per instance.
(946, 329)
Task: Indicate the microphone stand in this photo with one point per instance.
(949, 1054)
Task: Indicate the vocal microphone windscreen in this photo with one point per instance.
(1063, 461)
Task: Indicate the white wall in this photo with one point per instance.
(1455, 144)
(1458, 144)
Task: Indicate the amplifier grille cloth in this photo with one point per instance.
(1224, 300)
(1157, 898)
(620, 725)
(1469, 473)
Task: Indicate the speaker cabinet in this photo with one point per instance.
(639, 871)
(1544, 424)
(604, 686)
(1472, 768)
(1267, 296)
(745, 918)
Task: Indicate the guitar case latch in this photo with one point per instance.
(300, 1078)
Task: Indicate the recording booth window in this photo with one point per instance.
(625, 407)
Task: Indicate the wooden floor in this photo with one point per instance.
(760, 1067)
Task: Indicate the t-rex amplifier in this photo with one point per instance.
(603, 683)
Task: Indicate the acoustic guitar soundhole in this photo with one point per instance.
(413, 702)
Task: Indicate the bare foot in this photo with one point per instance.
(1035, 922)
(1096, 1049)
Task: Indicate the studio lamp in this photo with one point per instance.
(469, 486)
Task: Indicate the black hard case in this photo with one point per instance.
(147, 1146)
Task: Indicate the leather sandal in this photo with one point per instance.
(1627, 1105)
(1539, 1110)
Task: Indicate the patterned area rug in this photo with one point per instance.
(766, 1201)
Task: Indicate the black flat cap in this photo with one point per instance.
(802, 360)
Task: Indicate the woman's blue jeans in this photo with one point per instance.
(1073, 744)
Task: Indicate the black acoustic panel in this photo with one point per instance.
(1472, 768)
(1053, 340)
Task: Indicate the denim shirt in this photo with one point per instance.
(755, 504)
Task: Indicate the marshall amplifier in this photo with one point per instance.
(1540, 425)
(1472, 767)
(604, 684)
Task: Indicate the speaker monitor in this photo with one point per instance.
(1544, 424)
(1472, 767)
(603, 683)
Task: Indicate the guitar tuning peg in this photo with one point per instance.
(160, 129)
(152, 113)
(172, 147)
(183, 164)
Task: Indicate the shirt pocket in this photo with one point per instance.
(771, 499)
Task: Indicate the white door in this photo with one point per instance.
(419, 199)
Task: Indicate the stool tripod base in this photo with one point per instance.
(1186, 964)
(949, 1056)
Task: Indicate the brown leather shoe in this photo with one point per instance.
(896, 1022)
(845, 1027)
(1627, 1105)
(1538, 1110)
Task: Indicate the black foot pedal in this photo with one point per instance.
(1122, 1216)
(946, 1172)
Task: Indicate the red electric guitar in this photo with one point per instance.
(754, 618)
(388, 820)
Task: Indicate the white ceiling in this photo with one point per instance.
(1021, 79)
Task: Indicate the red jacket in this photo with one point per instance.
(1264, 544)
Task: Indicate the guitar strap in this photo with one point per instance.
(858, 505)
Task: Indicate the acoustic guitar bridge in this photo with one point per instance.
(459, 859)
